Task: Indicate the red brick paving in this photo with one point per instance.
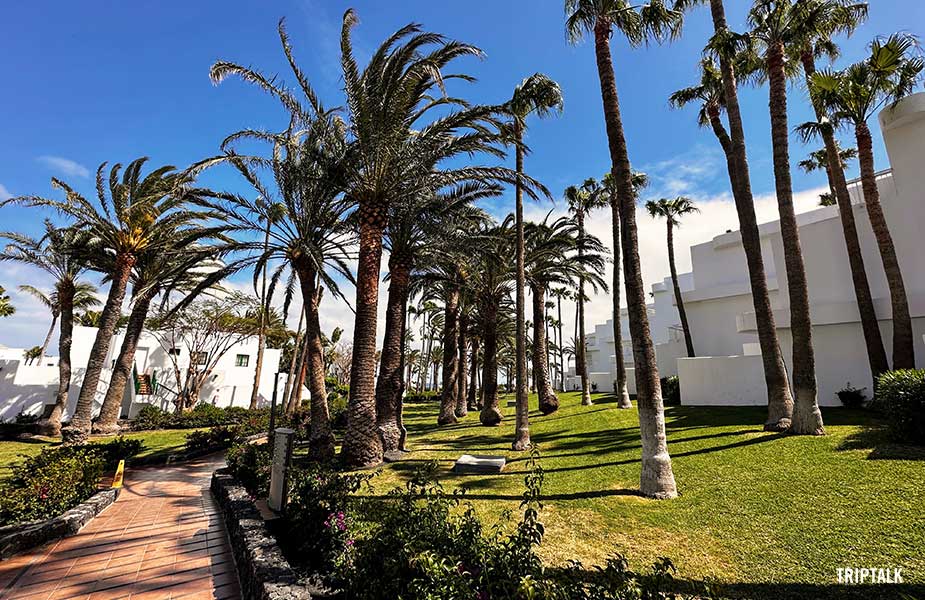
(162, 539)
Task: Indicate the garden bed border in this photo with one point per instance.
(15, 539)
(263, 571)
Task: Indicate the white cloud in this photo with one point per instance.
(4, 193)
(65, 166)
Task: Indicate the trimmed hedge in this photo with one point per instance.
(901, 398)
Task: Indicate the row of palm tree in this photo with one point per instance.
(787, 37)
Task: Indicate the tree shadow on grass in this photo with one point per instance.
(876, 438)
(807, 591)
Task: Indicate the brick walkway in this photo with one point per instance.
(163, 538)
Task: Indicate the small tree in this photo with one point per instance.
(195, 339)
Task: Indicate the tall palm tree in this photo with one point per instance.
(559, 293)
(851, 97)
(780, 400)
(84, 298)
(304, 211)
(540, 95)
(131, 215)
(400, 121)
(54, 253)
(638, 24)
(550, 260)
(672, 210)
(582, 201)
(609, 191)
(818, 160)
(178, 269)
(492, 287)
(6, 306)
(274, 211)
(841, 17)
(777, 25)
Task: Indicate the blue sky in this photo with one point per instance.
(110, 81)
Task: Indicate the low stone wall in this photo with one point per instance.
(15, 539)
(263, 571)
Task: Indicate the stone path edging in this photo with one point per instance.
(264, 572)
(15, 539)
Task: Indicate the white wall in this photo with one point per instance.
(28, 388)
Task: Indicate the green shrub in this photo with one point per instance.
(337, 407)
(851, 397)
(250, 464)
(425, 396)
(215, 438)
(319, 513)
(59, 478)
(152, 417)
(671, 391)
(901, 398)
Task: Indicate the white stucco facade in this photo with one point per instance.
(28, 388)
(717, 294)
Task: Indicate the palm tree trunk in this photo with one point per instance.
(561, 346)
(522, 424)
(621, 391)
(262, 332)
(876, 355)
(462, 353)
(490, 414)
(448, 396)
(80, 425)
(52, 425)
(780, 402)
(51, 332)
(581, 358)
(295, 396)
(677, 291)
(903, 348)
(362, 445)
(108, 420)
(657, 478)
(548, 401)
(320, 438)
(296, 354)
(807, 418)
(389, 385)
(473, 399)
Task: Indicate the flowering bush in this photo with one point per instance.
(59, 478)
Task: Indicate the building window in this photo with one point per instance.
(174, 352)
(241, 360)
(199, 358)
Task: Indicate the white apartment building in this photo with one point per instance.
(717, 294)
(29, 388)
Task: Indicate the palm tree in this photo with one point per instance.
(274, 211)
(559, 293)
(54, 253)
(582, 201)
(672, 210)
(818, 160)
(6, 307)
(609, 191)
(776, 26)
(638, 24)
(84, 298)
(550, 260)
(540, 95)
(492, 286)
(780, 401)
(395, 136)
(179, 269)
(841, 17)
(130, 216)
(853, 96)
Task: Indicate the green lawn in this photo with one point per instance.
(755, 508)
(156, 443)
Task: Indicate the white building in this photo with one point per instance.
(29, 388)
(717, 294)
